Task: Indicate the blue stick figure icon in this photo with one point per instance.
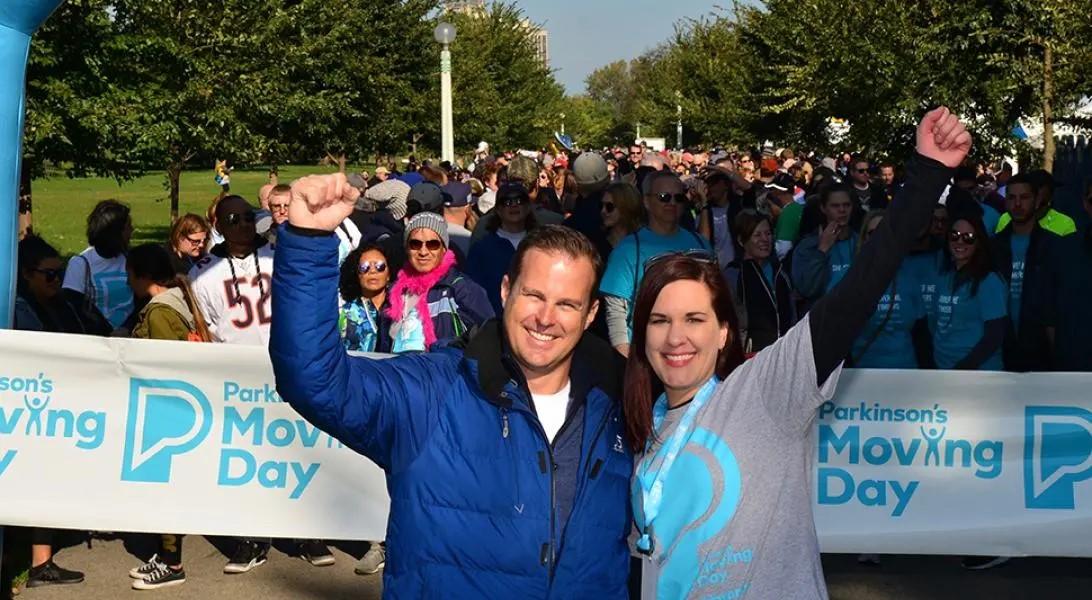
(35, 406)
(933, 437)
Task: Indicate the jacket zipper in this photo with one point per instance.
(773, 300)
(549, 554)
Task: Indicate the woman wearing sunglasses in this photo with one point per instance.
(621, 212)
(365, 283)
(432, 302)
(970, 313)
(721, 488)
(39, 303)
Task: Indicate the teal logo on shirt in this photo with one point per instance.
(714, 486)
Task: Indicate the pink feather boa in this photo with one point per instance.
(411, 282)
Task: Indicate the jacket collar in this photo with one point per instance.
(594, 365)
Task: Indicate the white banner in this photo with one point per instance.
(956, 462)
(126, 435)
(175, 437)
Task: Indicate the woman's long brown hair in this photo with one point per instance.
(642, 386)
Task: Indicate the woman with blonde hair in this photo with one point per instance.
(188, 242)
(621, 212)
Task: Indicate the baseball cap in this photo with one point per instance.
(590, 169)
(382, 171)
(456, 194)
(424, 197)
(782, 182)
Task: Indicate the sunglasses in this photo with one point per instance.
(861, 170)
(608, 207)
(968, 237)
(236, 218)
(278, 208)
(702, 256)
(379, 266)
(668, 198)
(513, 201)
(51, 275)
(431, 245)
(195, 242)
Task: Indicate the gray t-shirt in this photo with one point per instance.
(736, 519)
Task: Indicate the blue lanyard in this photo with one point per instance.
(652, 483)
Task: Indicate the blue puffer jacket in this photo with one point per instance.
(474, 498)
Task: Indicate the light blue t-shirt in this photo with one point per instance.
(959, 319)
(627, 260)
(898, 309)
(925, 268)
(1016, 284)
(841, 258)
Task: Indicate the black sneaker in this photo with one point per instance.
(316, 553)
(247, 556)
(49, 573)
(981, 563)
(164, 576)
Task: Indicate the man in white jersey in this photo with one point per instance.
(232, 284)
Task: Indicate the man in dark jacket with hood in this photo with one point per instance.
(505, 463)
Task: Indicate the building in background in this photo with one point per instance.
(540, 38)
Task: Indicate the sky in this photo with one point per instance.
(586, 34)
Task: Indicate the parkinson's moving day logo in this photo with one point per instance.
(1057, 455)
(843, 438)
(169, 419)
(30, 406)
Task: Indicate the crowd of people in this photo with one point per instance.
(798, 262)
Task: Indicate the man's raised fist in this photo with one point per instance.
(321, 201)
(943, 138)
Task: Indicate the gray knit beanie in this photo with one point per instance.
(428, 220)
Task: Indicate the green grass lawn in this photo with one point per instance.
(61, 205)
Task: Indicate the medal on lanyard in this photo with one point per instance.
(652, 484)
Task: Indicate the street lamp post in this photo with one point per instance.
(678, 120)
(445, 34)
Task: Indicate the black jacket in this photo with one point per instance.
(765, 312)
(1027, 347)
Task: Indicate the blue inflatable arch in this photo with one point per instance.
(19, 19)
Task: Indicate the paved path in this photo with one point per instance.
(285, 577)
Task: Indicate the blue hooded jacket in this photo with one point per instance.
(482, 506)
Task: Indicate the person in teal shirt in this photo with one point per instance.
(665, 200)
(970, 315)
(886, 341)
(822, 259)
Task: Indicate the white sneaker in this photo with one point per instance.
(372, 561)
(145, 569)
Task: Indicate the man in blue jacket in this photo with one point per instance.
(504, 458)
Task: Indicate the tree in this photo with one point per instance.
(1044, 58)
(348, 77)
(503, 93)
(67, 120)
(189, 79)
